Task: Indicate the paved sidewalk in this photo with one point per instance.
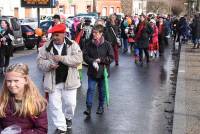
(187, 100)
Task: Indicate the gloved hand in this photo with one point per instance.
(98, 60)
(95, 65)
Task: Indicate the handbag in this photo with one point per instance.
(117, 38)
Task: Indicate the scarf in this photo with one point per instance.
(98, 42)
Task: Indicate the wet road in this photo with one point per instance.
(138, 97)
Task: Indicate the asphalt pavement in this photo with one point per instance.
(139, 97)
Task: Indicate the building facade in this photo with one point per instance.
(67, 7)
(132, 7)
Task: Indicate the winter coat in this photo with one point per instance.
(29, 125)
(123, 27)
(109, 35)
(142, 40)
(73, 58)
(7, 48)
(196, 28)
(155, 34)
(104, 51)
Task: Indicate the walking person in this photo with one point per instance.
(111, 35)
(58, 59)
(195, 26)
(6, 46)
(21, 103)
(161, 36)
(97, 55)
(153, 44)
(143, 33)
(124, 28)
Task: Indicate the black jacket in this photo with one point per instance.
(93, 52)
(109, 35)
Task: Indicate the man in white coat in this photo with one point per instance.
(58, 59)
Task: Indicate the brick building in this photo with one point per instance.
(67, 7)
(131, 7)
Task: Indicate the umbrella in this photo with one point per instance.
(106, 86)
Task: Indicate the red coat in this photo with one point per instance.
(153, 45)
(29, 125)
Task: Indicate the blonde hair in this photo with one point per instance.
(32, 103)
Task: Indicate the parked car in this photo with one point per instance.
(16, 28)
(28, 33)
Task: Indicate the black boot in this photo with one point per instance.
(87, 111)
(100, 110)
(58, 131)
(69, 123)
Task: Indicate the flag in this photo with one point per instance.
(106, 86)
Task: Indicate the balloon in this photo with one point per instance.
(38, 31)
(129, 21)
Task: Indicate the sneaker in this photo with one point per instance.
(58, 131)
(100, 110)
(69, 123)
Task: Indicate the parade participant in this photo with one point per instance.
(21, 103)
(58, 59)
(124, 26)
(111, 35)
(143, 33)
(153, 43)
(161, 36)
(98, 54)
(56, 19)
(195, 26)
(6, 46)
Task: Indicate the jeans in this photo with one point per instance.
(91, 91)
(125, 43)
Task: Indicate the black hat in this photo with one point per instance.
(56, 16)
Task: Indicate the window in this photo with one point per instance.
(111, 10)
(104, 11)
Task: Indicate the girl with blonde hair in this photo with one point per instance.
(21, 103)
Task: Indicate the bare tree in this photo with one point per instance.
(156, 6)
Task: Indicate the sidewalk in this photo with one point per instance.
(187, 100)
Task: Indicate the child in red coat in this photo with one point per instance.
(153, 45)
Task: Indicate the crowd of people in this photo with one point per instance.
(60, 57)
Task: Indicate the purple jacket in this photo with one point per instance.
(29, 125)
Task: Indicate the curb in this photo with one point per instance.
(179, 121)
